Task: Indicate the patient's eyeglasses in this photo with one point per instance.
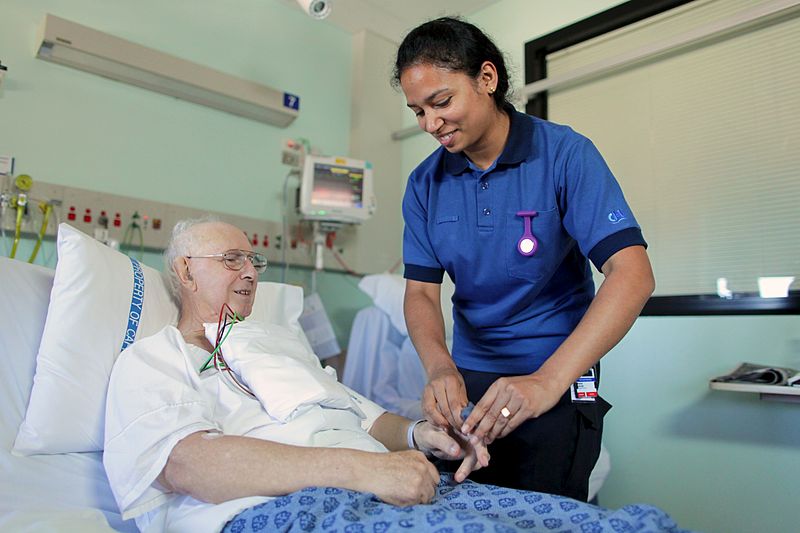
(234, 259)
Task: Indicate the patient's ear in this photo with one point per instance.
(181, 267)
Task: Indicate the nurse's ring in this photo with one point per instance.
(505, 412)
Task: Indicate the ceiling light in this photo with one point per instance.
(93, 51)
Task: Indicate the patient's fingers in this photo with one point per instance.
(436, 440)
(481, 451)
(404, 478)
(476, 458)
(434, 473)
(467, 466)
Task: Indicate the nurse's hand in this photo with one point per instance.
(508, 403)
(444, 397)
(452, 445)
(402, 478)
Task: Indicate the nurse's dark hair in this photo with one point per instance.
(455, 45)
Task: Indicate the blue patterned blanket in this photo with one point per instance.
(465, 508)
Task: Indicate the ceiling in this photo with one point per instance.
(393, 18)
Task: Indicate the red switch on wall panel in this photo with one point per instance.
(265, 242)
(117, 220)
(87, 216)
(71, 215)
(255, 239)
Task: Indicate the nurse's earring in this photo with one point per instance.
(491, 91)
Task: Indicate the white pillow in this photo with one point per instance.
(87, 323)
(388, 290)
(97, 306)
(23, 309)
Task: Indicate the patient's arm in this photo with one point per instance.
(224, 468)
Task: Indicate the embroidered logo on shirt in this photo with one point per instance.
(616, 216)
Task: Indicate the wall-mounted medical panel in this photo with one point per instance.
(135, 224)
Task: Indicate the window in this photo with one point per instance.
(703, 136)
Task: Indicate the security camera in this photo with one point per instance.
(319, 9)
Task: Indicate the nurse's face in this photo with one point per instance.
(215, 284)
(456, 109)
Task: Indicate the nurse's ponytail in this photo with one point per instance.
(455, 45)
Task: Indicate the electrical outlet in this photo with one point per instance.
(6, 163)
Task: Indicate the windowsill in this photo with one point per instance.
(709, 304)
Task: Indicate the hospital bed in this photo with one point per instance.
(61, 491)
(54, 484)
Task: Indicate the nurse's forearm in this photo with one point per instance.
(628, 284)
(423, 312)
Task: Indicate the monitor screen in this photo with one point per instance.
(339, 186)
(336, 189)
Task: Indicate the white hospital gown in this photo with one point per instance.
(156, 397)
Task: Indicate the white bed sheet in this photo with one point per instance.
(64, 493)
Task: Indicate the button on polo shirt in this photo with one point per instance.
(512, 311)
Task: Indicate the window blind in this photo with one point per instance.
(705, 142)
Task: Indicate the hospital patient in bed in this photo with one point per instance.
(203, 439)
(192, 439)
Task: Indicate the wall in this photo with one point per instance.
(716, 461)
(69, 127)
(377, 111)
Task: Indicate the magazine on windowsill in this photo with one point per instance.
(756, 374)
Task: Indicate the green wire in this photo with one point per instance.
(206, 366)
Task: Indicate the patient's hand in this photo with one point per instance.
(402, 478)
(452, 445)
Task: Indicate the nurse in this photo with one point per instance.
(513, 208)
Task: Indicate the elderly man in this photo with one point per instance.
(186, 451)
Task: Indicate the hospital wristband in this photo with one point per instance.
(412, 444)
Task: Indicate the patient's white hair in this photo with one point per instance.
(182, 243)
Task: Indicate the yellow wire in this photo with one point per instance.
(47, 208)
(18, 230)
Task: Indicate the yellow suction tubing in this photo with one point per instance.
(21, 201)
(46, 209)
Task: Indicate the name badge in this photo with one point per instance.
(584, 389)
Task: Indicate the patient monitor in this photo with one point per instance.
(336, 190)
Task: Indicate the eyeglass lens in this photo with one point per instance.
(234, 259)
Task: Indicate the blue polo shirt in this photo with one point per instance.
(512, 311)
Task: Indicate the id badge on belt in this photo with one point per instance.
(584, 389)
